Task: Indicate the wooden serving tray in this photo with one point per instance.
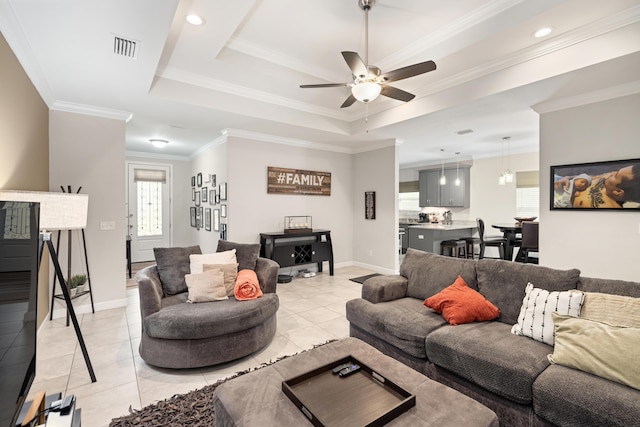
(364, 398)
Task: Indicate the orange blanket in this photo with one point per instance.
(247, 286)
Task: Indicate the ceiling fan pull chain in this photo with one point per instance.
(366, 118)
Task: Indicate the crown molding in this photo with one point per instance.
(91, 110)
(570, 38)
(287, 141)
(12, 31)
(210, 145)
(173, 73)
(158, 156)
(612, 92)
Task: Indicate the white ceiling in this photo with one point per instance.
(241, 71)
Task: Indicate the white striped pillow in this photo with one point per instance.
(535, 319)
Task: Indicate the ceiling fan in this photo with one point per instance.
(368, 80)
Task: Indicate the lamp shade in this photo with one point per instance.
(58, 211)
(366, 91)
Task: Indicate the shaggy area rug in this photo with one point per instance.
(193, 409)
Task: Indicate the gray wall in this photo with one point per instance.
(599, 243)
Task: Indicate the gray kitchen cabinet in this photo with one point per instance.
(429, 186)
(452, 195)
(448, 195)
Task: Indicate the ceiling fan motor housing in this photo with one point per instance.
(366, 4)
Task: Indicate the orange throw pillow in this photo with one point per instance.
(460, 304)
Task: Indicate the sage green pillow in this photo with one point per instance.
(598, 348)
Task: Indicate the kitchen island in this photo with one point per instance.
(428, 236)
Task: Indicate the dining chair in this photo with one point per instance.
(529, 240)
(492, 241)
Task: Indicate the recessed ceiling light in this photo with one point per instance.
(542, 32)
(194, 19)
(158, 143)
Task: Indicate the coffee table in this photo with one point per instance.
(257, 399)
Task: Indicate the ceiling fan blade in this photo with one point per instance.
(409, 71)
(356, 64)
(348, 102)
(326, 85)
(395, 93)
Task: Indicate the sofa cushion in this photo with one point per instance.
(570, 397)
(503, 283)
(428, 273)
(206, 286)
(173, 265)
(196, 261)
(613, 309)
(598, 348)
(247, 253)
(609, 286)
(460, 304)
(230, 274)
(208, 319)
(488, 355)
(403, 323)
(538, 305)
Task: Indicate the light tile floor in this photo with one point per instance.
(312, 311)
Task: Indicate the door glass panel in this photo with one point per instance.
(149, 208)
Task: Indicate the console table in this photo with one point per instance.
(290, 249)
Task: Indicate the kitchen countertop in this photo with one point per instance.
(457, 225)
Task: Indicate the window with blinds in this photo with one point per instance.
(149, 187)
(527, 194)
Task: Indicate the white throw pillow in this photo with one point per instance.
(198, 260)
(207, 286)
(535, 319)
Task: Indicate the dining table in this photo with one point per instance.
(510, 231)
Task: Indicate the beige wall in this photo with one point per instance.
(88, 151)
(24, 142)
(599, 243)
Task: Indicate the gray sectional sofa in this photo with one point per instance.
(508, 373)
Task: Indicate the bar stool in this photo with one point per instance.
(471, 246)
(457, 248)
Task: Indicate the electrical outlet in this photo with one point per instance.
(370, 252)
(107, 225)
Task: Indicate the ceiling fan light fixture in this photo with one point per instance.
(158, 143)
(366, 91)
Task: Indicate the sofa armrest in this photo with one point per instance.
(267, 272)
(150, 290)
(384, 288)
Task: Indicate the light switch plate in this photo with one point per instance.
(107, 225)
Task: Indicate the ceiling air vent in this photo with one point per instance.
(125, 47)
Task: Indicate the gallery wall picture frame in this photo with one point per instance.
(223, 191)
(212, 178)
(369, 205)
(193, 194)
(204, 194)
(223, 211)
(608, 185)
(192, 214)
(207, 219)
(218, 199)
(193, 181)
(197, 198)
(223, 231)
(200, 218)
(216, 220)
(199, 179)
(212, 197)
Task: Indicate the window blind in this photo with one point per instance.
(149, 175)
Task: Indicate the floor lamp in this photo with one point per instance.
(58, 211)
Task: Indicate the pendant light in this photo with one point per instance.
(443, 179)
(457, 181)
(508, 175)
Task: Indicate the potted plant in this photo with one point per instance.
(78, 283)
